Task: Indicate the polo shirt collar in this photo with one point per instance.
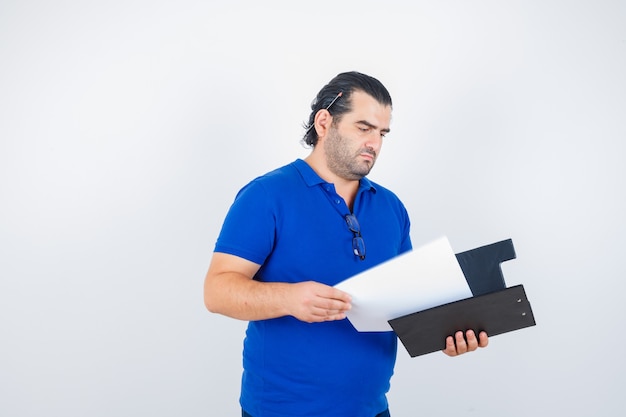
(311, 178)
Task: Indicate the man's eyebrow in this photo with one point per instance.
(372, 126)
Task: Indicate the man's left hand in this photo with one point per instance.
(460, 343)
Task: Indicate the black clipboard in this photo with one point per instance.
(496, 313)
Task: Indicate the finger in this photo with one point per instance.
(335, 313)
(338, 316)
(321, 314)
(339, 305)
(450, 349)
(461, 345)
(332, 304)
(483, 339)
(472, 342)
(334, 294)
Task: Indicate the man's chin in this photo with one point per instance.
(369, 165)
(360, 173)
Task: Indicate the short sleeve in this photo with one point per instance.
(249, 227)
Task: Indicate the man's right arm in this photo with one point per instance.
(229, 289)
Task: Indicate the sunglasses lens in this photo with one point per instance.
(353, 223)
(358, 244)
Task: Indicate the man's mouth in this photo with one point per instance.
(368, 155)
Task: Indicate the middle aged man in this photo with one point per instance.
(291, 235)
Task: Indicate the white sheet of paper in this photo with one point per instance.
(426, 277)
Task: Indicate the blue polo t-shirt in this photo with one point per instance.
(291, 222)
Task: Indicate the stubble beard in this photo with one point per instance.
(343, 161)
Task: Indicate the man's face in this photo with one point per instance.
(353, 144)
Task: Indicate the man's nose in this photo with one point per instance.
(374, 140)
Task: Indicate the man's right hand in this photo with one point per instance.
(312, 302)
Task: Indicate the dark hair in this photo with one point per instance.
(345, 83)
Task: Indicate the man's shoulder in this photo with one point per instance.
(279, 176)
(277, 181)
(383, 191)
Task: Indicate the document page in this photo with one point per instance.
(423, 278)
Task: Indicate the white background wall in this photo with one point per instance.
(126, 128)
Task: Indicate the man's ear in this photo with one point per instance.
(323, 120)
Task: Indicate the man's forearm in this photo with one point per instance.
(237, 296)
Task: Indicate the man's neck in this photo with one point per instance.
(346, 189)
